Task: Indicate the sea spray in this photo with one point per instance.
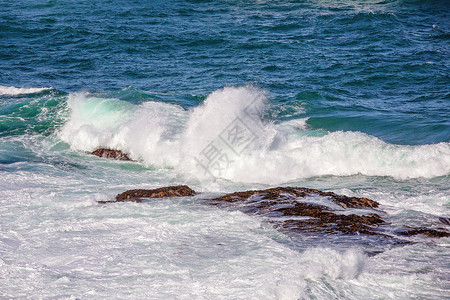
(225, 128)
(196, 142)
(145, 131)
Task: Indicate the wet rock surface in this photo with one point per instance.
(296, 209)
(309, 210)
(445, 220)
(137, 194)
(299, 210)
(111, 154)
(283, 192)
(433, 233)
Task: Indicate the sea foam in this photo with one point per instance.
(227, 137)
(15, 91)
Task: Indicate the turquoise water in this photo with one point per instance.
(347, 96)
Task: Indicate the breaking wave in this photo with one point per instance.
(227, 137)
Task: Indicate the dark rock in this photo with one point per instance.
(329, 221)
(111, 154)
(171, 191)
(298, 210)
(275, 193)
(285, 201)
(444, 220)
(351, 224)
(136, 195)
(433, 233)
(301, 214)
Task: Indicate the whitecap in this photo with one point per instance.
(15, 91)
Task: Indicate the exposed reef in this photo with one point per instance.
(310, 210)
(290, 192)
(111, 154)
(300, 211)
(138, 194)
(296, 209)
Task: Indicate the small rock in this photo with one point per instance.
(111, 154)
(171, 191)
(136, 195)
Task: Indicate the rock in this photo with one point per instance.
(444, 220)
(298, 210)
(171, 191)
(274, 193)
(136, 195)
(433, 233)
(293, 202)
(111, 154)
(330, 222)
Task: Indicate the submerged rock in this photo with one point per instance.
(136, 195)
(111, 154)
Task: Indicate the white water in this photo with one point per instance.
(15, 91)
(57, 242)
(165, 135)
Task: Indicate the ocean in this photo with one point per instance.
(350, 97)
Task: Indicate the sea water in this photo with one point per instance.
(224, 96)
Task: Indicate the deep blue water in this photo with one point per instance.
(380, 67)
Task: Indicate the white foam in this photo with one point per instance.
(165, 135)
(319, 262)
(144, 131)
(285, 152)
(15, 91)
(169, 248)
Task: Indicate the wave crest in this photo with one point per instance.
(226, 137)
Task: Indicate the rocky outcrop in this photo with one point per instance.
(307, 210)
(297, 206)
(111, 154)
(289, 192)
(329, 222)
(300, 210)
(138, 194)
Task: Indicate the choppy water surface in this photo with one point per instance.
(343, 96)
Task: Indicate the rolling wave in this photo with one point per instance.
(226, 137)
